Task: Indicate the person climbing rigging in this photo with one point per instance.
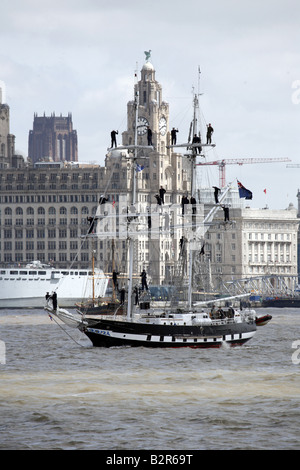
(216, 194)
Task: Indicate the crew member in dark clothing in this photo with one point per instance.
(122, 298)
(102, 199)
(197, 140)
(91, 221)
(226, 213)
(113, 138)
(54, 300)
(182, 246)
(184, 200)
(209, 133)
(193, 202)
(162, 194)
(216, 194)
(158, 199)
(144, 280)
(149, 220)
(174, 136)
(136, 295)
(115, 279)
(149, 136)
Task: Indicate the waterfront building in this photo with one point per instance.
(254, 243)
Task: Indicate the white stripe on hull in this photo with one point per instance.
(171, 340)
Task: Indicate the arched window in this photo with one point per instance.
(19, 211)
(52, 210)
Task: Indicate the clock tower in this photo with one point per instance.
(162, 166)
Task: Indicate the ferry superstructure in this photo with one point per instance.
(27, 286)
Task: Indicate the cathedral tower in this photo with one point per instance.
(53, 138)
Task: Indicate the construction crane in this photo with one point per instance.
(238, 161)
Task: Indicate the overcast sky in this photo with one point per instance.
(80, 56)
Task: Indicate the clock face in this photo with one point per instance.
(142, 126)
(162, 126)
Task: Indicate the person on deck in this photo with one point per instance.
(144, 280)
(54, 300)
(122, 297)
(193, 202)
(184, 200)
(115, 279)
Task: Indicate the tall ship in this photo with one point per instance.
(181, 320)
(28, 286)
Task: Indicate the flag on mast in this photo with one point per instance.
(243, 192)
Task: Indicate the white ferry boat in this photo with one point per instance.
(26, 287)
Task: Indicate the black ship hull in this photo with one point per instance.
(109, 333)
(281, 302)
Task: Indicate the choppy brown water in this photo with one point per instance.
(58, 394)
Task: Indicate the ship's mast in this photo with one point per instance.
(131, 240)
(193, 179)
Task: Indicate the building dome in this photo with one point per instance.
(148, 66)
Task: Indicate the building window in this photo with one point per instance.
(30, 233)
(52, 233)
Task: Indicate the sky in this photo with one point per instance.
(80, 56)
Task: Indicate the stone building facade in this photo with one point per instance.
(8, 158)
(255, 243)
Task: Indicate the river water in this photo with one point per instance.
(58, 392)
